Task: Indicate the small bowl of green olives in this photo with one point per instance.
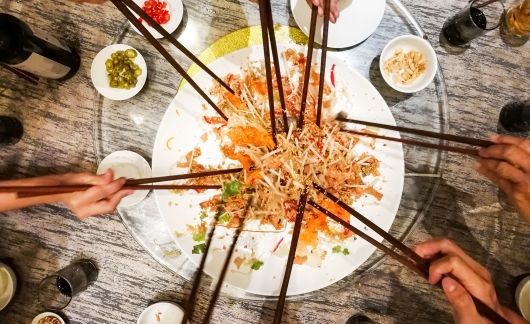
(118, 72)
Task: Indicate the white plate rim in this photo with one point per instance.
(176, 8)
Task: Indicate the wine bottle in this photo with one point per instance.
(35, 52)
(11, 130)
(515, 116)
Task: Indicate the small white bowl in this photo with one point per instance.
(43, 315)
(410, 43)
(161, 313)
(129, 165)
(522, 297)
(10, 285)
(98, 73)
(176, 11)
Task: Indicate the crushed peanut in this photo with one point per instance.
(405, 67)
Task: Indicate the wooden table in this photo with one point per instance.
(58, 124)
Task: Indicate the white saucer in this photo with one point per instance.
(358, 19)
(43, 315)
(176, 11)
(161, 313)
(8, 281)
(131, 166)
(98, 73)
(410, 43)
(522, 297)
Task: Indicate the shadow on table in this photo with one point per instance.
(31, 261)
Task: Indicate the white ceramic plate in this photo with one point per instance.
(180, 132)
(43, 315)
(357, 21)
(176, 11)
(8, 285)
(410, 43)
(161, 313)
(131, 166)
(98, 73)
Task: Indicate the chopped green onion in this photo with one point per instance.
(199, 248)
(346, 252)
(336, 249)
(256, 265)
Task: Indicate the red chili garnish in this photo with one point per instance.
(156, 9)
(333, 75)
(277, 245)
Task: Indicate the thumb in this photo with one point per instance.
(464, 310)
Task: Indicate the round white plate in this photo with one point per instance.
(98, 73)
(180, 132)
(176, 11)
(522, 297)
(358, 20)
(129, 165)
(410, 43)
(8, 282)
(161, 313)
(43, 315)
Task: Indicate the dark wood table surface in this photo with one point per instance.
(58, 121)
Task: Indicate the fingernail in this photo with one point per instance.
(450, 286)
(477, 165)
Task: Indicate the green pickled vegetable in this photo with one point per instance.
(122, 72)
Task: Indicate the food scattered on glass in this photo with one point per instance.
(122, 71)
(157, 10)
(405, 67)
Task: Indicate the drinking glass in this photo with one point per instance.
(471, 22)
(56, 291)
(518, 19)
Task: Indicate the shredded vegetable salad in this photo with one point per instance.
(275, 175)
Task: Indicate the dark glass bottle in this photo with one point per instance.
(11, 130)
(515, 116)
(34, 52)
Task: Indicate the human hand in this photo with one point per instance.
(102, 198)
(334, 11)
(473, 280)
(89, 1)
(507, 164)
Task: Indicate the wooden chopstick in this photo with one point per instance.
(266, 52)
(136, 8)
(32, 78)
(395, 242)
(444, 147)
(447, 137)
(290, 259)
(307, 71)
(276, 60)
(190, 304)
(128, 14)
(323, 55)
(228, 258)
(183, 176)
(26, 192)
(421, 267)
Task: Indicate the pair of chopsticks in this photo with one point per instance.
(31, 78)
(309, 58)
(190, 304)
(440, 136)
(133, 184)
(408, 257)
(267, 33)
(123, 6)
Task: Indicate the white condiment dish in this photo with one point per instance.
(176, 12)
(8, 285)
(410, 43)
(98, 73)
(129, 165)
(43, 315)
(522, 297)
(161, 313)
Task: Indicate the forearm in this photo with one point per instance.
(9, 201)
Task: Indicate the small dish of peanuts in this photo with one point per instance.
(408, 63)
